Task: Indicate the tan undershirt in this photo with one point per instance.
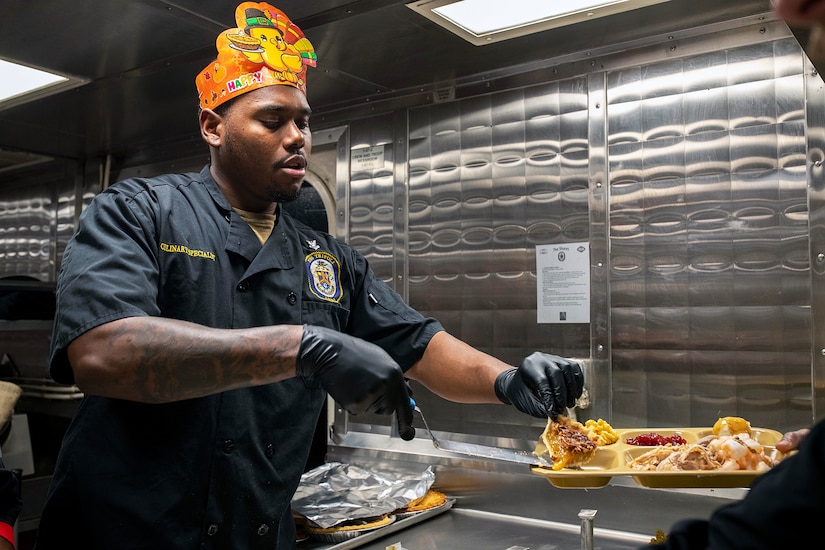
(261, 224)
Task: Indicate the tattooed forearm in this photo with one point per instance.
(155, 360)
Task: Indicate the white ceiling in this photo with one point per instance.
(141, 56)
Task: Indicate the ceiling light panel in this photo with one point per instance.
(484, 21)
(21, 83)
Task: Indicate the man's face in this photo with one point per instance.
(265, 146)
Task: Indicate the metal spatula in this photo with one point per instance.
(482, 451)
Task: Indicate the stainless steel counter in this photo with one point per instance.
(504, 506)
(460, 529)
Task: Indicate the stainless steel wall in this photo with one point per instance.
(683, 162)
(489, 179)
(683, 166)
(37, 216)
(710, 283)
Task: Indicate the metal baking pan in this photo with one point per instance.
(375, 534)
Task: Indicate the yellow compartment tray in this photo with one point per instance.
(611, 460)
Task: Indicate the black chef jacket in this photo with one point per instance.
(218, 471)
(782, 509)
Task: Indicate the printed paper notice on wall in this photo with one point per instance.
(563, 283)
(367, 158)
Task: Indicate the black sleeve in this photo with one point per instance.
(10, 502)
(380, 315)
(109, 271)
(782, 509)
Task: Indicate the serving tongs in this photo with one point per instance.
(482, 451)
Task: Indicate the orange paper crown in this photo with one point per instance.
(266, 49)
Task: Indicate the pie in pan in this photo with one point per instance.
(349, 529)
(431, 499)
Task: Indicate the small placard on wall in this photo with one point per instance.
(563, 283)
(367, 158)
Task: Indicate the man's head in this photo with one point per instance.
(260, 144)
(254, 111)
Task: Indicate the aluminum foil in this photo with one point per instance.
(334, 492)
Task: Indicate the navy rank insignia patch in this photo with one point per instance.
(324, 272)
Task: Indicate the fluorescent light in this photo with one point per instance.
(21, 83)
(486, 21)
(475, 15)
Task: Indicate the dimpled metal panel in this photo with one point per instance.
(701, 255)
(710, 292)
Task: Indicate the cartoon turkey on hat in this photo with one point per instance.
(269, 38)
(265, 49)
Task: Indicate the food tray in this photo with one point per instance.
(611, 460)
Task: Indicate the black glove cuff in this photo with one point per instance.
(318, 347)
(301, 367)
(502, 380)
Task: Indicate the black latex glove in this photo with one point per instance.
(542, 386)
(360, 376)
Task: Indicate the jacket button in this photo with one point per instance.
(212, 530)
(263, 529)
(270, 450)
(243, 286)
(292, 298)
(228, 446)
